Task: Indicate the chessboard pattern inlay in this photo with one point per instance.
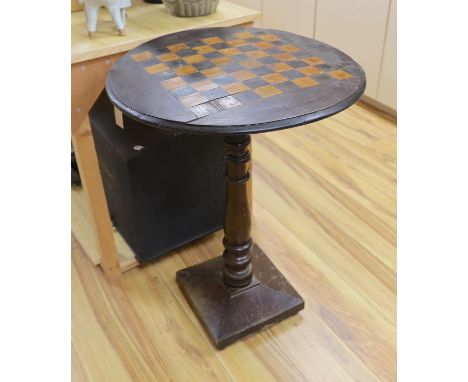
(211, 74)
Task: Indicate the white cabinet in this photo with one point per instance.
(296, 16)
(357, 27)
(387, 91)
(251, 4)
(364, 29)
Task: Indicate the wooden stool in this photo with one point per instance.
(235, 82)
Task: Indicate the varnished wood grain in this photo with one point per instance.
(321, 82)
(329, 227)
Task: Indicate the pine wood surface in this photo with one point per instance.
(145, 22)
(90, 177)
(325, 214)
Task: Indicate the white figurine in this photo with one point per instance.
(117, 9)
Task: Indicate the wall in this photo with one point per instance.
(364, 29)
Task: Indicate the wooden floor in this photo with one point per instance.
(325, 213)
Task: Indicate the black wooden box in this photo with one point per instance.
(163, 189)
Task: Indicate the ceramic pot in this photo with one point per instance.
(191, 8)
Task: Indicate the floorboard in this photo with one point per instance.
(325, 213)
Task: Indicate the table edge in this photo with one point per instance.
(186, 127)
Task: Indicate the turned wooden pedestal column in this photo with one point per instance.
(237, 216)
(234, 82)
(242, 291)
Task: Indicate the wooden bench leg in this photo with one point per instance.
(86, 157)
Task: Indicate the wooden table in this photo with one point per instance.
(235, 82)
(91, 59)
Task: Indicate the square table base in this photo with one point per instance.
(229, 314)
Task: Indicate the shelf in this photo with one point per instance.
(145, 22)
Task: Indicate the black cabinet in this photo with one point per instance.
(163, 189)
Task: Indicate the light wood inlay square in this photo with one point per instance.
(340, 75)
(177, 47)
(267, 91)
(263, 45)
(281, 67)
(204, 49)
(257, 54)
(274, 78)
(153, 69)
(213, 72)
(204, 85)
(309, 70)
(243, 75)
(251, 64)
(305, 82)
(212, 40)
(234, 88)
(221, 60)
(185, 70)
(196, 58)
(269, 37)
(230, 51)
(174, 83)
(146, 55)
(168, 57)
(237, 42)
(193, 100)
(313, 60)
(284, 57)
(244, 35)
(289, 48)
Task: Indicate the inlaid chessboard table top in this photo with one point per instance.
(233, 80)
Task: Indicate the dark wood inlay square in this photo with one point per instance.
(204, 85)
(174, 83)
(230, 51)
(262, 45)
(305, 82)
(274, 78)
(143, 56)
(309, 70)
(213, 72)
(196, 58)
(204, 49)
(212, 40)
(289, 48)
(168, 57)
(157, 68)
(193, 100)
(280, 67)
(185, 70)
(285, 56)
(177, 47)
(236, 87)
(242, 75)
(257, 54)
(250, 64)
(237, 42)
(268, 91)
(340, 75)
(221, 60)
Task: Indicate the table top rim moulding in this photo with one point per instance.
(308, 108)
(139, 32)
(281, 124)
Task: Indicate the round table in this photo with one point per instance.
(235, 82)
